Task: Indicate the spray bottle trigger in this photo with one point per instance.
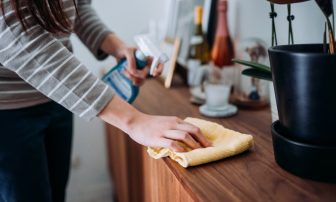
(155, 63)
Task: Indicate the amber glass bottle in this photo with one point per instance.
(199, 48)
(222, 51)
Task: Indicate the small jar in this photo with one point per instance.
(251, 92)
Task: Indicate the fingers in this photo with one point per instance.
(129, 54)
(149, 61)
(137, 76)
(194, 132)
(132, 70)
(132, 65)
(158, 70)
(144, 72)
(140, 74)
(137, 79)
(171, 144)
(182, 136)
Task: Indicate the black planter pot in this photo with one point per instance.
(305, 87)
(304, 139)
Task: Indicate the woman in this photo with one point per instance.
(42, 84)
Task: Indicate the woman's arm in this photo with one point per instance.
(43, 62)
(102, 42)
(90, 29)
(154, 131)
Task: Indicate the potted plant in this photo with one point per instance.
(303, 76)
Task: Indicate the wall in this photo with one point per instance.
(253, 21)
(89, 177)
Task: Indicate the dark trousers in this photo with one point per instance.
(35, 147)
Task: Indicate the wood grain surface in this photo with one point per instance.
(251, 176)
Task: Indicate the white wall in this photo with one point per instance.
(254, 21)
(89, 177)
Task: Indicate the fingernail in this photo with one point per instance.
(206, 144)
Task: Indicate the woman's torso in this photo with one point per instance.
(15, 92)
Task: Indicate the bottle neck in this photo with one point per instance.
(198, 29)
(198, 15)
(198, 20)
(222, 24)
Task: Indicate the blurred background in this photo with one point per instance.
(90, 179)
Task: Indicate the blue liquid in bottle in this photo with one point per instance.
(122, 85)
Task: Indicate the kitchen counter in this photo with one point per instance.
(251, 176)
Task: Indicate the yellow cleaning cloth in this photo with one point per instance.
(225, 143)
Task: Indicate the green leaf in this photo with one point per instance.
(258, 74)
(254, 65)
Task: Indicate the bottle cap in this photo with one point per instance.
(140, 55)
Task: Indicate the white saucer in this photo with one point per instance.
(225, 111)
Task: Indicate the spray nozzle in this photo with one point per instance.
(147, 46)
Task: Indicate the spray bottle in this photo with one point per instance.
(118, 81)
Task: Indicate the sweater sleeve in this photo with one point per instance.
(43, 62)
(90, 29)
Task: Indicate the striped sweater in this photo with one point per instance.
(37, 66)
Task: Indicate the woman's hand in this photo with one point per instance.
(153, 131)
(114, 46)
(167, 132)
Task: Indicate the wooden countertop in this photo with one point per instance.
(251, 176)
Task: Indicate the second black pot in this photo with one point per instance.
(305, 87)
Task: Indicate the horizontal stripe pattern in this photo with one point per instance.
(37, 66)
(90, 30)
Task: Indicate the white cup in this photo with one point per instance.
(217, 95)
